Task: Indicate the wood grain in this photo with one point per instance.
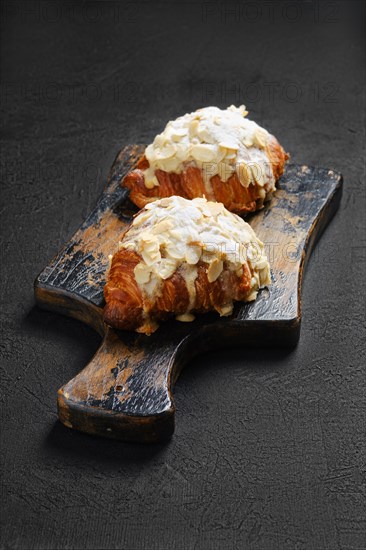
(126, 390)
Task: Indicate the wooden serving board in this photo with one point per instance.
(126, 390)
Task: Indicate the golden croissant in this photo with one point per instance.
(212, 153)
(180, 257)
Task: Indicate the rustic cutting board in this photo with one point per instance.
(126, 390)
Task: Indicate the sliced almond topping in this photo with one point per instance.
(164, 225)
(150, 249)
(244, 174)
(225, 310)
(205, 135)
(151, 182)
(142, 217)
(213, 208)
(214, 270)
(252, 296)
(185, 318)
(260, 138)
(166, 152)
(203, 152)
(171, 164)
(229, 144)
(258, 173)
(193, 254)
(165, 203)
(178, 133)
(262, 263)
(150, 257)
(175, 250)
(193, 127)
(165, 268)
(265, 276)
(142, 273)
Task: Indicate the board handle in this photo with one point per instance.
(122, 393)
(126, 391)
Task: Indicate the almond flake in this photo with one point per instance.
(214, 270)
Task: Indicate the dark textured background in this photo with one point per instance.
(268, 451)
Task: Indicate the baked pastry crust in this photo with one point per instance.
(127, 309)
(248, 183)
(179, 258)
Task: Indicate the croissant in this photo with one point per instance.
(180, 257)
(212, 153)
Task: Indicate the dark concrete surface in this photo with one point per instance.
(269, 447)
